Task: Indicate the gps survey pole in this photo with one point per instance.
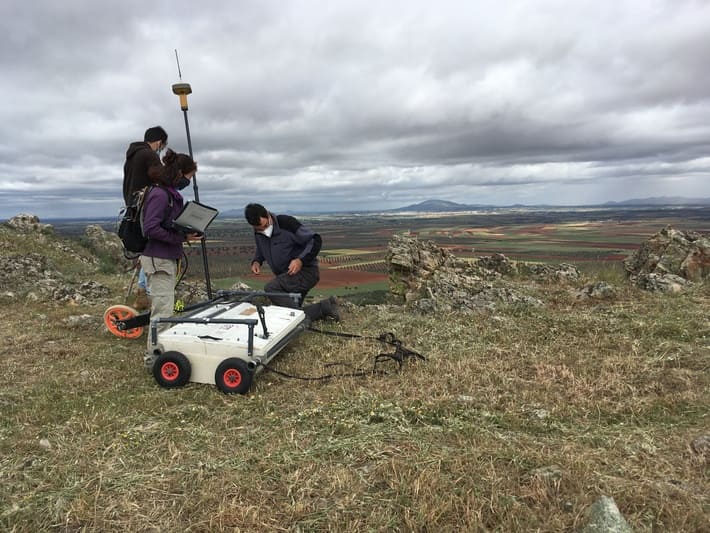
(182, 90)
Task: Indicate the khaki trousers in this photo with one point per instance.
(161, 274)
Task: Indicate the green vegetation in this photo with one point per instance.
(518, 421)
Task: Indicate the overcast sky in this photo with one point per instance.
(340, 104)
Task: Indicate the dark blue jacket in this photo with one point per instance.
(289, 240)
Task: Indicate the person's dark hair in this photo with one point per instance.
(156, 133)
(254, 212)
(174, 167)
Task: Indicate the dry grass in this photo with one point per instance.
(518, 421)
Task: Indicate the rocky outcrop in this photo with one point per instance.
(669, 260)
(539, 271)
(37, 278)
(23, 273)
(431, 279)
(36, 268)
(29, 223)
(107, 244)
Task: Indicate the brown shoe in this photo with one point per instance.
(142, 301)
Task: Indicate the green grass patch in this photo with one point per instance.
(519, 419)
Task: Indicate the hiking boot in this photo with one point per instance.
(330, 308)
(142, 301)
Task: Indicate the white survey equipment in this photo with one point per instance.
(223, 342)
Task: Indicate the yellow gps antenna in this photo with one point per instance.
(182, 90)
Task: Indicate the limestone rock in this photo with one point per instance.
(42, 280)
(29, 223)
(431, 279)
(599, 290)
(499, 263)
(543, 272)
(668, 255)
(103, 242)
(656, 282)
(604, 517)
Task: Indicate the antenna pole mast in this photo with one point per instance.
(182, 90)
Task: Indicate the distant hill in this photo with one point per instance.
(436, 206)
(660, 200)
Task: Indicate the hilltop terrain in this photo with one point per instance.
(544, 389)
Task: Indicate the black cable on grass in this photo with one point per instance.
(400, 355)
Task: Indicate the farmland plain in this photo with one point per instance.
(354, 246)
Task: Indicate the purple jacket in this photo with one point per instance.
(163, 241)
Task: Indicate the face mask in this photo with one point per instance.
(182, 183)
(269, 230)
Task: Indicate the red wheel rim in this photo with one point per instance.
(121, 312)
(232, 378)
(169, 371)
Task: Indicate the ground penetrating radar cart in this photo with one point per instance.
(225, 341)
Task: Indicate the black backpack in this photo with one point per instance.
(130, 227)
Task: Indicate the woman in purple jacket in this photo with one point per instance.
(164, 247)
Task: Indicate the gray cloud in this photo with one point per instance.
(310, 105)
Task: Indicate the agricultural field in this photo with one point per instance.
(354, 246)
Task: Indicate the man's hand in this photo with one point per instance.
(256, 268)
(294, 267)
(192, 237)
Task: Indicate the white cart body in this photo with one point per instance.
(222, 330)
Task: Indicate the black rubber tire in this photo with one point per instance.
(172, 370)
(233, 376)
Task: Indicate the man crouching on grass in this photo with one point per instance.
(291, 251)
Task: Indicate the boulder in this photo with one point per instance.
(29, 223)
(668, 255)
(599, 290)
(106, 243)
(657, 282)
(604, 517)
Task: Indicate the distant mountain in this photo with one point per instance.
(437, 206)
(660, 200)
(445, 206)
(232, 213)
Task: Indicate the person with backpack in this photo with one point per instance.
(161, 206)
(140, 157)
